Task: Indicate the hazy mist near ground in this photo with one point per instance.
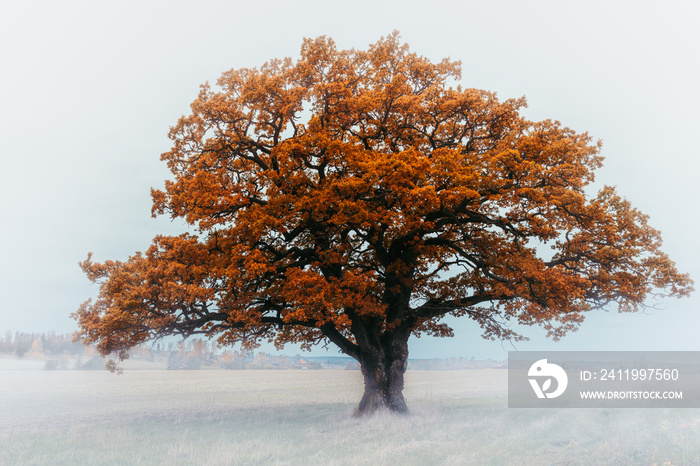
(302, 417)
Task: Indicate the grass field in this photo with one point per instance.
(305, 417)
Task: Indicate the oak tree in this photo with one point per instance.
(358, 197)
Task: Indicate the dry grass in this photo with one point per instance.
(304, 417)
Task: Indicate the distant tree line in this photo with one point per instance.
(60, 352)
(40, 345)
(199, 354)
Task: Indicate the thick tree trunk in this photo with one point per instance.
(383, 367)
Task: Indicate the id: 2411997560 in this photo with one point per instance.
(630, 374)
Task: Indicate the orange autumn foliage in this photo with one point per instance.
(352, 196)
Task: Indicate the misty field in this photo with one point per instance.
(305, 417)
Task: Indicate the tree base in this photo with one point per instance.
(374, 402)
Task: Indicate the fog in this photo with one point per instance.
(87, 94)
(297, 417)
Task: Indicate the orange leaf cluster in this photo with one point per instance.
(351, 195)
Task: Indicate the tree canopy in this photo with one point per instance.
(360, 196)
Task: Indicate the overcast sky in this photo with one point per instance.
(89, 89)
